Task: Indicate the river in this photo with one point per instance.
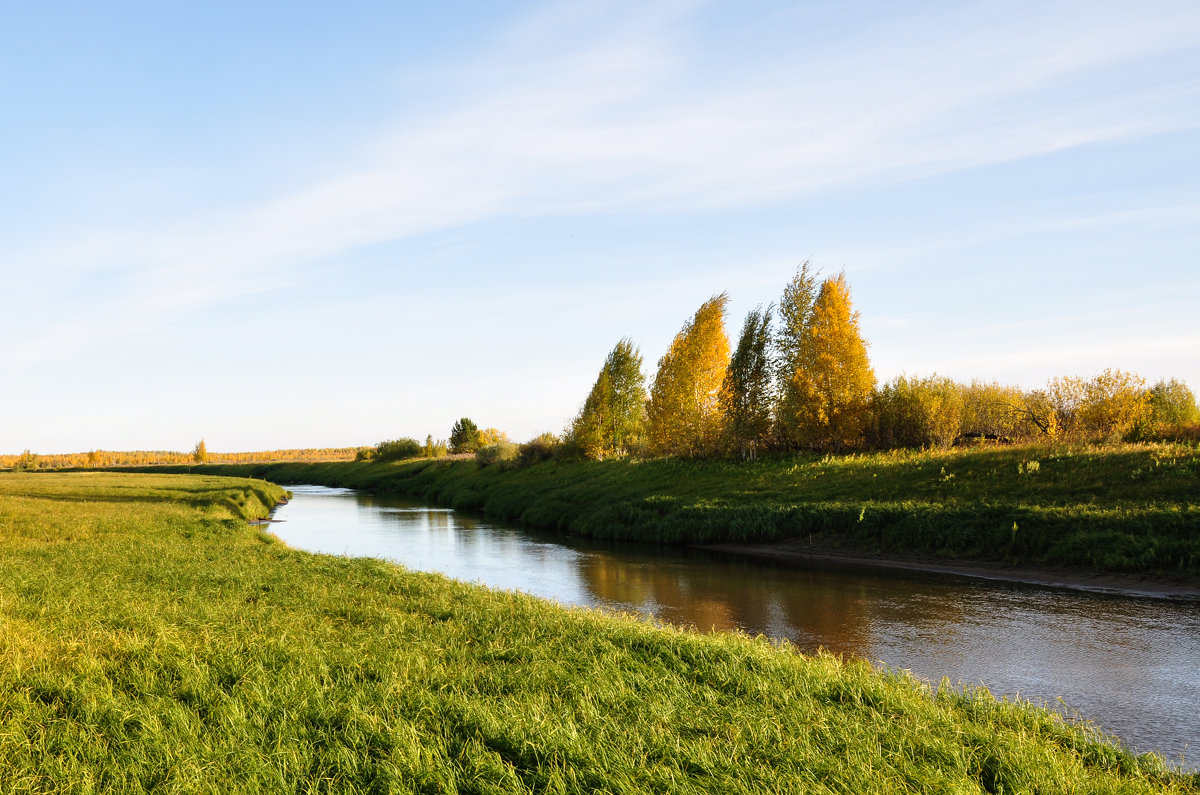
(1130, 664)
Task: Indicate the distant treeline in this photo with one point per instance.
(199, 454)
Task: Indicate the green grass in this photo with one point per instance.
(1129, 508)
(152, 641)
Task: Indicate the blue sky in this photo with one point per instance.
(292, 225)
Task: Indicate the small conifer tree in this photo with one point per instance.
(200, 452)
(464, 436)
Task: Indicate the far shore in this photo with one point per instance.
(817, 556)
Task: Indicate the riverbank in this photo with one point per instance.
(1151, 585)
(1061, 514)
(152, 640)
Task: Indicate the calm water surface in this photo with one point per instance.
(1130, 664)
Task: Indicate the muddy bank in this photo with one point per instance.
(816, 555)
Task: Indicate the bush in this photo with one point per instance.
(1172, 404)
(997, 411)
(397, 450)
(432, 449)
(27, 462)
(540, 448)
(491, 436)
(1182, 432)
(1108, 407)
(915, 412)
(497, 452)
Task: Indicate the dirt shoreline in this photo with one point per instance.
(817, 556)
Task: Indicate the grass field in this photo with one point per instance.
(153, 641)
(1128, 508)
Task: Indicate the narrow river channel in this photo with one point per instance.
(1130, 664)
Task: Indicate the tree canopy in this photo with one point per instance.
(795, 314)
(684, 414)
(834, 380)
(1172, 403)
(464, 436)
(612, 420)
(748, 395)
(800, 377)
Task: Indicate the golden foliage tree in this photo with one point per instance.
(492, 436)
(200, 452)
(834, 380)
(1108, 406)
(684, 414)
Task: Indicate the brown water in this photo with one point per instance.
(1130, 664)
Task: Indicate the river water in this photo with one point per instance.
(1130, 664)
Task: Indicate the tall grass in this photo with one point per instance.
(152, 641)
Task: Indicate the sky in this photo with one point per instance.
(299, 224)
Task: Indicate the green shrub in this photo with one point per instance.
(1172, 403)
(1003, 412)
(494, 453)
(434, 449)
(540, 448)
(1182, 433)
(915, 412)
(397, 449)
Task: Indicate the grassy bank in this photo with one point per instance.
(152, 641)
(1117, 509)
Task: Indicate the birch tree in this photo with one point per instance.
(612, 420)
(684, 414)
(834, 380)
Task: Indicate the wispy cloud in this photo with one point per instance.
(616, 109)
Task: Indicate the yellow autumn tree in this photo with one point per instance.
(684, 414)
(491, 436)
(833, 381)
(1107, 406)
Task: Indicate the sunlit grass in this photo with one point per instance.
(1131, 508)
(152, 641)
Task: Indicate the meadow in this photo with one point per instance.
(1111, 508)
(152, 640)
